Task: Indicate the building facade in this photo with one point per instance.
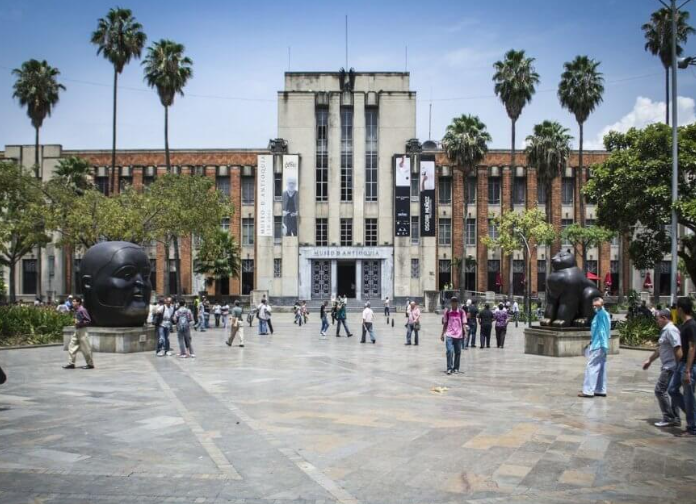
(346, 201)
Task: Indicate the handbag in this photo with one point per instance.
(416, 326)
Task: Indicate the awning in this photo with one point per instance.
(592, 276)
(607, 280)
(648, 282)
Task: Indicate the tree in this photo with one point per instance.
(658, 41)
(515, 83)
(584, 237)
(466, 144)
(167, 70)
(38, 90)
(219, 256)
(74, 172)
(22, 210)
(632, 188)
(119, 38)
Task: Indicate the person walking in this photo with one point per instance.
(236, 325)
(341, 318)
(183, 318)
(334, 310)
(163, 322)
(471, 319)
(225, 314)
(217, 313)
(595, 383)
(501, 321)
(80, 340)
(298, 313)
(485, 319)
(263, 314)
(669, 353)
(387, 311)
(324, 319)
(453, 323)
(685, 375)
(367, 318)
(516, 312)
(200, 323)
(206, 314)
(413, 325)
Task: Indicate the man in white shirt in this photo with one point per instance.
(367, 317)
(516, 312)
(264, 314)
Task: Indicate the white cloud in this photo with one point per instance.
(645, 111)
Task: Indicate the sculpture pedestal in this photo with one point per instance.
(560, 342)
(118, 339)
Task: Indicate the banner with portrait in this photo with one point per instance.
(264, 195)
(426, 184)
(402, 195)
(291, 199)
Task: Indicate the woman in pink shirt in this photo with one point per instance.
(453, 328)
(413, 324)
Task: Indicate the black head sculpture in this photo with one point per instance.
(116, 284)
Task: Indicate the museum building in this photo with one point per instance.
(345, 200)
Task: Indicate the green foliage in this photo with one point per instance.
(586, 236)
(515, 81)
(512, 226)
(30, 325)
(74, 172)
(37, 89)
(639, 331)
(658, 34)
(466, 142)
(581, 87)
(167, 69)
(219, 256)
(119, 37)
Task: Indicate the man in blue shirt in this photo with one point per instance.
(596, 372)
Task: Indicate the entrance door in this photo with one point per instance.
(321, 279)
(346, 278)
(372, 274)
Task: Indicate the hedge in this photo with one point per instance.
(30, 325)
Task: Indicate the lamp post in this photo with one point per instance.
(528, 261)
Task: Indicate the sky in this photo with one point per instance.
(240, 52)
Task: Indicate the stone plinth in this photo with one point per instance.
(117, 339)
(558, 342)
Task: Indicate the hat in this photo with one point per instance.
(454, 298)
(367, 305)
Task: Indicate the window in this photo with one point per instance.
(444, 232)
(519, 190)
(247, 276)
(564, 224)
(567, 189)
(471, 189)
(615, 240)
(541, 194)
(277, 229)
(153, 274)
(541, 275)
(470, 274)
(346, 154)
(322, 233)
(494, 279)
(415, 230)
(322, 154)
(471, 232)
(102, 184)
(223, 185)
(614, 287)
(278, 186)
(371, 143)
(370, 232)
(415, 268)
(444, 272)
(247, 232)
(248, 190)
(148, 179)
(445, 190)
(493, 190)
(225, 224)
(173, 287)
(277, 268)
(124, 182)
(492, 230)
(29, 276)
(590, 222)
(77, 277)
(415, 190)
(346, 232)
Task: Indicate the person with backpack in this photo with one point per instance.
(486, 322)
(263, 313)
(341, 317)
(453, 330)
(200, 324)
(183, 318)
(163, 323)
(80, 338)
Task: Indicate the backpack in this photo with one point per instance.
(445, 317)
(183, 318)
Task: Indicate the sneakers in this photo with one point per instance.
(663, 423)
(160, 353)
(88, 366)
(193, 355)
(456, 371)
(241, 346)
(228, 343)
(169, 353)
(69, 366)
(449, 371)
(183, 356)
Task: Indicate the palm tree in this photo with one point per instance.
(515, 83)
(219, 256)
(38, 90)
(168, 71)
(119, 38)
(465, 143)
(658, 41)
(580, 91)
(548, 150)
(75, 173)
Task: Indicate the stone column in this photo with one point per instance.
(236, 220)
(334, 278)
(358, 279)
(482, 229)
(458, 223)
(531, 201)
(556, 212)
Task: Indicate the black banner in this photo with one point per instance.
(426, 184)
(402, 195)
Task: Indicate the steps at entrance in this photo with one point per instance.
(353, 305)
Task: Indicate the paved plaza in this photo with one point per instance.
(294, 419)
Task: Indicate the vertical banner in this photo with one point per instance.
(264, 195)
(426, 184)
(291, 202)
(402, 195)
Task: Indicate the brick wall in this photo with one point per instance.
(236, 221)
(556, 214)
(531, 204)
(457, 222)
(481, 228)
(506, 205)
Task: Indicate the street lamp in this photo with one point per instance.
(527, 301)
(685, 62)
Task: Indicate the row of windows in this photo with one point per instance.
(519, 191)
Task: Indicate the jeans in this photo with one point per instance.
(367, 327)
(200, 325)
(472, 334)
(596, 372)
(684, 400)
(298, 319)
(324, 324)
(500, 333)
(206, 318)
(486, 336)
(263, 329)
(224, 320)
(386, 311)
(217, 320)
(163, 338)
(411, 328)
(338, 327)
(184, 341)
(670, 413)
(454, 353)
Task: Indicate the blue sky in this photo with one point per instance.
(240, 51)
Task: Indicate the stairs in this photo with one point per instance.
(352, 306)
